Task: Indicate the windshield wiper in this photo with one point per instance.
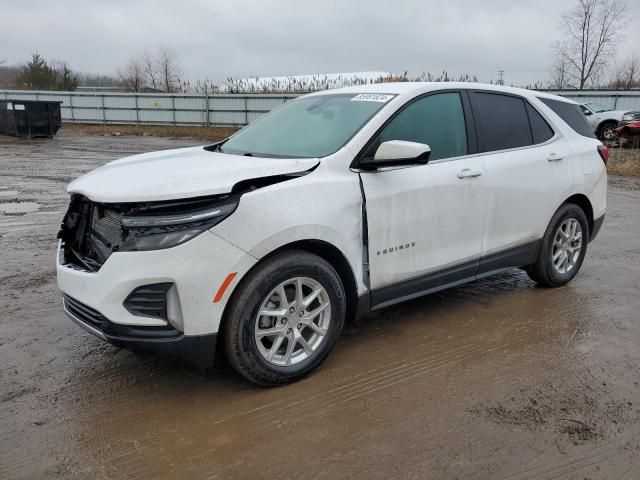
(248, 154)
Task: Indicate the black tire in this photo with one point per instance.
(543, 271)
(607, 130)
(240, 319)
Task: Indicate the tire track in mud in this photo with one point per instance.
(385, 379)
(448, 360)
(402, 364)
(578, 462)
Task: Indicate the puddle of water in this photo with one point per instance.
(18, 208)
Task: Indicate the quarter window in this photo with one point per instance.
(540, 129)
(571, 114)
(436, 120)
(502, 120)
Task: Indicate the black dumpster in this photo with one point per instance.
(29, 118)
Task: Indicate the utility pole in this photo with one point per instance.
(500, 77)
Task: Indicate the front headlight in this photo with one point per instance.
(627, 117)
(149, 230)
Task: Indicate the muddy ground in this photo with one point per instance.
(497, 379)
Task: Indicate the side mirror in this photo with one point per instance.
(395, 153)
(588, 112)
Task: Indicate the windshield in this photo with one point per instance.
(308, 127)
(596, 107)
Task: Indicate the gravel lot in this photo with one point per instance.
(497, 379)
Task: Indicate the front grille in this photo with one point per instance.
(95, 319)
(90, 233)
(106, 226)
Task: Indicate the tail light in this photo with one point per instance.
(604, 153)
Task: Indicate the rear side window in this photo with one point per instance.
(571, 114)
(502, 120)
(436, 120)
(540, 129)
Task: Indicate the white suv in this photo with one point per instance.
(333, 205)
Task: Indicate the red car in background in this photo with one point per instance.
(629, 133)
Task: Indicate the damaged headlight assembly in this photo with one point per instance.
(156, 231)
(92, 231)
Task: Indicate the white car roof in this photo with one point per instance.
(411, 89)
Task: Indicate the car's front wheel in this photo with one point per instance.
(285, 318)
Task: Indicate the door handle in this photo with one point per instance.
(469, 173)
(554, 157)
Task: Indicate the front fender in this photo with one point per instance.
(324, 206)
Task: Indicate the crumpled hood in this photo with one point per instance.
(179, 173)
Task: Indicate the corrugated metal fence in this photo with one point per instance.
(611, 100)
(151, 108)
(219, 110)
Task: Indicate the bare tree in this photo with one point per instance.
(98, 80)
(560, 67)
(150, 67)
(593, 29)
(156, 69)
(168, 69)
(132, 76)
(626, 75)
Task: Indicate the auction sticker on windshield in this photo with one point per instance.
(372, 97)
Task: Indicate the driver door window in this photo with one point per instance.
(436, 120)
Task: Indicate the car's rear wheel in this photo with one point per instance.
(285, 318)
(607, 131)
(563, 248)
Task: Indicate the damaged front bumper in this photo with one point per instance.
(100, 302)
(198, 350)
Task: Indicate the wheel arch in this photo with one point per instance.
(605, 122)
(585, 204)
(324, 250)
(337, 259)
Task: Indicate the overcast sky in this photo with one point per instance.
(217, 39)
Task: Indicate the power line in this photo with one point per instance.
(500, 77)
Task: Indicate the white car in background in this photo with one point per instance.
(603, 121)
(333, 205)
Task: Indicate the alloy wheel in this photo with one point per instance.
(567, 246)
(292, 321)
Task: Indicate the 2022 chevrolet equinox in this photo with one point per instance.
(335, 204)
